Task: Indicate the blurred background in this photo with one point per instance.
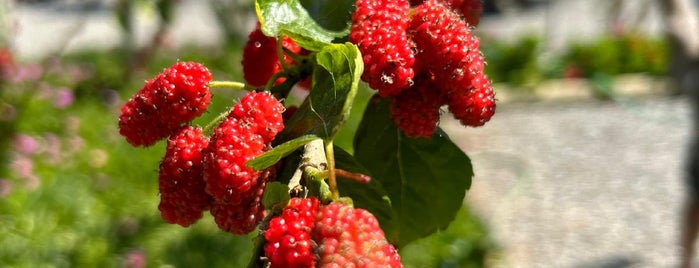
(582, 165)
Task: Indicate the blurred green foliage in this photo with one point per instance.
(515, 63)
(519, 63)
(618, 54)
(94, 203)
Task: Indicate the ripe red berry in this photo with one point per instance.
(260, 60)
(449, 54)
(264, 112)
(473, 107)
(244, 217)
(233, 143)
(288, 236)
(379, 30)
(336, 235)
(349, 237)
(180, 180)
(173, 98)
(416, 110)
(245, 134)
(471, 10)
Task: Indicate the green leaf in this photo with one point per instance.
(338, 69)
(370, 196)
(426, 179)
(273, 156)
(290, 18)
(276, 195)
(334, 15)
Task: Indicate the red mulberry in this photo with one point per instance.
(336, 235)
(379, 30)
(451, 57)
(245, 134)
(288, 236)
(264, 112)
(181, 184)
(173, 98)
(349, 237)
(244, 217)
(416, 110)
(260, 60)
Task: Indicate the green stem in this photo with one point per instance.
(209, 127)
(280, 54)
(332, 180)
(270, 82)
(230, 84)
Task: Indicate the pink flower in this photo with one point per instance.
(25, 144)
(62, 98)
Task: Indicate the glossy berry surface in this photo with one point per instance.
(288, 236)
(260, 57)
(349, 237)
(173, 98)
(379, 30)
(182, 196)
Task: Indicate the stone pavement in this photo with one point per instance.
(581, 184)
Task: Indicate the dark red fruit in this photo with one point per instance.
(260, 60)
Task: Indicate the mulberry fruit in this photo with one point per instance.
(173, 98)
(264, 112)
(244, 217)
(416, 110)
(246, 133)
(337, 235)
(260, 60)
(379, 30)
(450, 55)
(233, 143)
(180, 181)
(473, 107)
(288, 236)
(349, 236)
(471, 10)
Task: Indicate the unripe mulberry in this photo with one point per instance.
(260, 60)
(180, 180)
(349, 237)
(449, 54)
(288, 236)
(173, 98)
(416, 110)
(263, 111)
(379, 31)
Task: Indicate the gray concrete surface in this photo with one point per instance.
(581, 184)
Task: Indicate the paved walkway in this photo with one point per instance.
(584, 184)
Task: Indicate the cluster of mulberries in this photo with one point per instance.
(448, 65)
(260, 58)
(167, 102)
(307, 234)
(199, 173)
(379, 31)
(246, 133)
